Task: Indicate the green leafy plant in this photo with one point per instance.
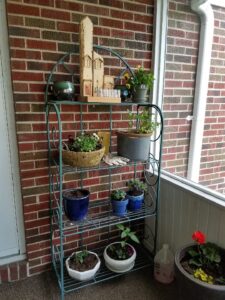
(118, 195)
(80, 256)
(145, 121)
(205, 260)
(85, 142)
(140, 78)
(136, 185)
(122, 250)
(127, 234)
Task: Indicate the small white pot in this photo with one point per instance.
(119, 266)
(85, 275)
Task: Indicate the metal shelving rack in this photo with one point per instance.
(100, 215)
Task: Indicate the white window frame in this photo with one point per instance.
(161, 16)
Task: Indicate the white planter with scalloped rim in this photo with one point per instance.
(85, 275)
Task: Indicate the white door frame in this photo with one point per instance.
(9, 107)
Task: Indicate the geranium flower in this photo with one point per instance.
(199, 237)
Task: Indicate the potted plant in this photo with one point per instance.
(135, 193)
(134, 143)
(119, 202)
(82, 265)
(86, 150)
(120, 256)
(139, 84)
(76, 203)
(200, 269)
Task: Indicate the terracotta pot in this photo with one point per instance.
(192, 288)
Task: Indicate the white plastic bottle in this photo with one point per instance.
(164, 265)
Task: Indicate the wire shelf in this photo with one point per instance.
(99, 219)
(144, 259)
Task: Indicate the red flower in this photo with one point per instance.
(199, 237)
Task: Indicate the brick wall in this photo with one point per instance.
(181, 56)
(212, 172)
(40, 32)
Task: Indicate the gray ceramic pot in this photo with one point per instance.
(191, 288)
(140, 94)
(133, 145)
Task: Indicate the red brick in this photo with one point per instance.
(122, 15)
(111, 3)
(143, 19)
(69, 5)
(20, 87)
(173, 83)
(36, 87)
(54, 14)
(37, 44)
(18, 65)
(96, 10)
(27, 76)
(111, 23)
(135, 26)
(98, 31)
(23, 270)
(15, 20)
(22, 107)
(134, 7)
(70, 27)
(23, 9)
(176, 33)
(17, 53)
(4, 274)
(122, 34)
(40, 2)
(17, 42)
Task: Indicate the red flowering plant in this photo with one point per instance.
(206, 260)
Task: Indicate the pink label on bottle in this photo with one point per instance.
(164, 272)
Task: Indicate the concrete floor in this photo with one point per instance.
(138, 285)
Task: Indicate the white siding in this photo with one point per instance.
(181, 212)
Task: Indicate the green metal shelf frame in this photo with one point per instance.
(104, 219)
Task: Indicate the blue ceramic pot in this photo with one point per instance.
(76, 204)
(119, 207)
(135, 202)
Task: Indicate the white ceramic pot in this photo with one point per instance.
(85, 275)
(119, 266)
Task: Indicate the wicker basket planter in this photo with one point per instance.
(82, 159)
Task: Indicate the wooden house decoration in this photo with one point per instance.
(108, 81)
(98, 72)
(93, 87)
(86, 48)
